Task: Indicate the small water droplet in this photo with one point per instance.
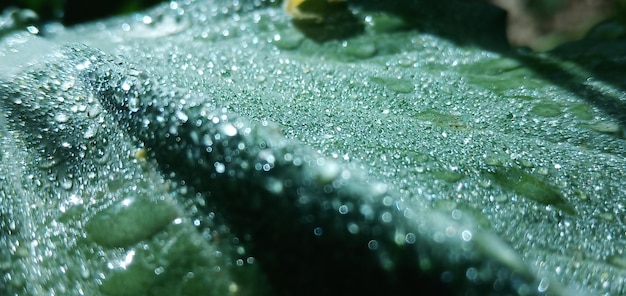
(259, 78)
(466, 235)
(361, 50)
(372, 245)
(61, 117)
(90, 132)
(102, 156)
(181, 116)
(386, 217)
(274, 186)
(84, 65)
(67, 183)
(606, 127)
(219, 167)
(353, 228)
(329, 170)
(48, 162)
(410, 238)
(67, 84)
(290, 39)
(93, 110)
(84, 272)
(133, 104)
(228, 129)
(543, 286)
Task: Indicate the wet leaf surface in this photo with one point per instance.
(216, 147)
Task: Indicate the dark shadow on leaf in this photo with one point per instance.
(603, 55)
(599, 60)
(463, 22)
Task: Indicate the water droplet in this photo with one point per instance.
(543, 286)
(353, 228)
(84, 65)
(606, 127)
(90, 132)
(48, 162)
(386, 217)
(259, 78)
(228, 129)
(496, 248)
(471, 273)
(125, 86)
(159, 270)
(372, 245)
(61, 117)
(367, 211)
(207, 140)
(274, 185)
(382, 22)
(410, 238)
(66, 183)
(67, 84)
(361, 49)
(93, 110)
(289, 39)
(219, 167)
(84, 272)
(181, 116)
(466, 235)
(529, 186)
(395, 84)
(328, 170)
(133, 104)
(17, 100)
(233, 288)
(102, 156)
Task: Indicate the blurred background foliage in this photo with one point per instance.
(538, 24)
(544, 24)
(71, 12)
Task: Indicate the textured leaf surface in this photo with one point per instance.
(217, 147)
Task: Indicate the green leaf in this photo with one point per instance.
(217, 148)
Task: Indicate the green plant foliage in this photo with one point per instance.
(217, 147)
(75, 11)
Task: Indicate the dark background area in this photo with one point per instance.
(71, 12)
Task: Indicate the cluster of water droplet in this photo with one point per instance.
(475, 136)
(248, 170)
